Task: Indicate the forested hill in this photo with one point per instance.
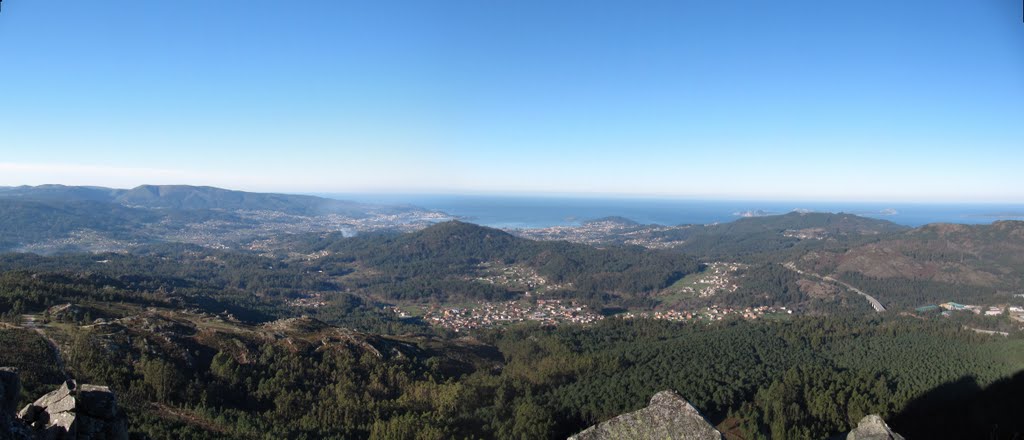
(833, 223)
(26, 221)
(766, 236)
(435, 262)
(934, 263)
(188, 198)
(55, 218)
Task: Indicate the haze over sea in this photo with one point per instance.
(541, 212)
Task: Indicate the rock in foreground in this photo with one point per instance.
(668, 416)
(71, 412)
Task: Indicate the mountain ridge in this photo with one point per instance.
(189, 197)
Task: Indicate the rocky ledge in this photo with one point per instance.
(71, 412)
(872, 427)
(669, 416)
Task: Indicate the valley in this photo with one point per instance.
(270, 325)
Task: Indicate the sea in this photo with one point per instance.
(529, 212)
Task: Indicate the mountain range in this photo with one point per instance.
(906, 265)
(57, 218)
(221, 314)
(185, 197)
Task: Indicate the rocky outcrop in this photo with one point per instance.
(872, 427)
(76, 411)
(668, 416)
(63, 312)
(71, 412)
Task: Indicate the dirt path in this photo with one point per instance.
(33, 322)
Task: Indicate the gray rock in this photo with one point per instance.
(872, 427)
(668, 416)
(54, 397)
(71, 412)
(66, 404)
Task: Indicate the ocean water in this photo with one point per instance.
(540, 212)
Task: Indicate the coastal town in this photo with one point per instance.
(253, 230)
(605, 231)
(261, 230)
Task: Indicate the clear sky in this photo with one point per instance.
(918, 100)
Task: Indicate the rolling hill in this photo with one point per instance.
(57, 218)
(186, 197)
(933, 263)
(769, 237)
(434, 263)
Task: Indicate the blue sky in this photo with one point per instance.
(856, 100)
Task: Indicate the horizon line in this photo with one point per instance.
(449, 192)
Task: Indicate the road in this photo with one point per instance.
(874, 302)
(32, 322)
(987, 332)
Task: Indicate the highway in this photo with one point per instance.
(874, 302)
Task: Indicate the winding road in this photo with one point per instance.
(874, 302)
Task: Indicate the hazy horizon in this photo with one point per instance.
(401, 194)
(367, 195)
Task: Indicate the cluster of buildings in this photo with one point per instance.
(516, 277)
(398, 311)
(604, 232)
(1015, 312)
(313, 301)
(806, 234)
(488, 314)
(86, 239)
(259, 228)
(709, 313)
(715, 279)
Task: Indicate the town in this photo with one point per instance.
(717, 277)
(806, 234)
(711, 313)
(516, 277)
(489, 314)
(554, 312)
(603, 232)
